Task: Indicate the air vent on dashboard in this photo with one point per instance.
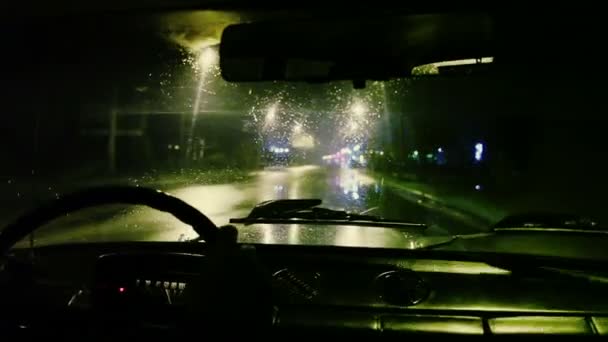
(296, 285)
(401, 287)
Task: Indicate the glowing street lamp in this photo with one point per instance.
(358, 109)
(271, 115)
(207, 58)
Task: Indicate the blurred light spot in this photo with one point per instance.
(358, 108)
(271, 115)
(303, 141)
(477, 187)
(207, 58)
(479, 151)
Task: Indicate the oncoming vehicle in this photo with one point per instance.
(244, 169)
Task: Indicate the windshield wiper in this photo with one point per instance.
(533, 222)
(532, 269)
(293, 211)
(549, 222)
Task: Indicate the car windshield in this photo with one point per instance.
(139, 100)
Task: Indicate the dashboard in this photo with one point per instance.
(329, 289)
(145, 282)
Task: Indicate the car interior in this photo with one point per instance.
(216, 284)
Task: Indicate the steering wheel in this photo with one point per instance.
(159, 200)
(221, 291)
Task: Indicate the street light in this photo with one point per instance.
(358, 108)
(207, 58)
(271, 114)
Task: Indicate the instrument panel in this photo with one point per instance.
(374, 293)
(150, 279)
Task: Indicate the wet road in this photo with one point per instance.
(349, 189)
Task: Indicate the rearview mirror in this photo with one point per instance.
(356, 49)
